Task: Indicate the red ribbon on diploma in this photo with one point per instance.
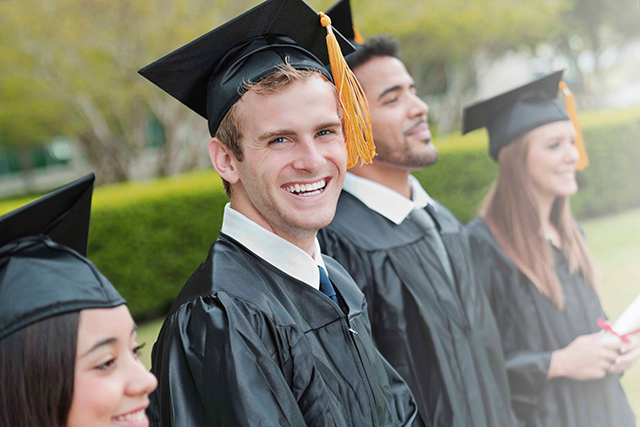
(606, 325)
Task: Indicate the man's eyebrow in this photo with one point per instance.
(274, 133)
(391, 89)
(332, 124)
(108, 341)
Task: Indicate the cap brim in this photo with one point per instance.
(482, 113)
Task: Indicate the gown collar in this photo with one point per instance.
(272, 248)
(385, 201)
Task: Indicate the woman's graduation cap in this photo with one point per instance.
(512, 114)
(43, 269)
(209, 74)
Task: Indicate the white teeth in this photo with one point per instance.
(136, 416)
(307, 189)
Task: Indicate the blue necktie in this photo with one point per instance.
(326, 287)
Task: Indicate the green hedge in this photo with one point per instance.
(147, 238)
(464, 172)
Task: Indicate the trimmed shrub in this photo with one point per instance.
(464, 173)
(148, 237)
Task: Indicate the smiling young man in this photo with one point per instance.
(267, 331)
(410, 257)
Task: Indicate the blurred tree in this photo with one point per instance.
(28, 117)
(591, 27)
(443, 40)
(81, 58)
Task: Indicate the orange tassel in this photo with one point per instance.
(357, 36)
(355, 108)
(572, 111)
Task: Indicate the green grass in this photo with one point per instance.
(614, 242)
(148, 333)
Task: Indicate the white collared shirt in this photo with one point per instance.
(385, 201)
(272, 248)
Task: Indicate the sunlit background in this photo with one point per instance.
(71, 102)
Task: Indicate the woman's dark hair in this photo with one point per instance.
(37, 365)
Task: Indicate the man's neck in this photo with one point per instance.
(304, 239)
(393, 178)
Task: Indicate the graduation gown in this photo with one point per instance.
(245, 344)
(532, 328)
(440, 336)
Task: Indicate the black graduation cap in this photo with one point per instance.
(63, 215)
(43, 269)
(342, 20)
(514, 113)
(207, 74)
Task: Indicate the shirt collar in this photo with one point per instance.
(272, 248)
(385, 201)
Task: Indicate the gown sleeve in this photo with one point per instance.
(359, 267)
(407, 409)
(527, 369)
(225, 366)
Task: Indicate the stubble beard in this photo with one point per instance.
(406, 157)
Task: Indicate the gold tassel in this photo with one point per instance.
(572, 111)
(357, 37)
(357, 123)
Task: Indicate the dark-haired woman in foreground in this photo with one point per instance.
(68, 350)
(537, 271)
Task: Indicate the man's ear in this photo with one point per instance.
(224, 161)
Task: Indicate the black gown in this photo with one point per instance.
(440, 337)
(532, 328)
(245, 344)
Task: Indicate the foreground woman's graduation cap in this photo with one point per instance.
(43, 269)
(208, 75)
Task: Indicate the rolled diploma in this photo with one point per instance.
(629, 320)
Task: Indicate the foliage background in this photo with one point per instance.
(148, 237)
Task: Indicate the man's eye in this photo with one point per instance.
(390, 101)
(279, 140)
(554, 145)
(324, 132)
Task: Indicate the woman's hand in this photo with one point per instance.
(629, 355)
(589, 357)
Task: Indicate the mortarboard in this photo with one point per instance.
(63, 215)
(514, 113)
(342, 20)
(209, 73)
(510, 115)
(43, 269)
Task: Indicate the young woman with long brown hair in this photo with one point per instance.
(68, 350)
(537, 271)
